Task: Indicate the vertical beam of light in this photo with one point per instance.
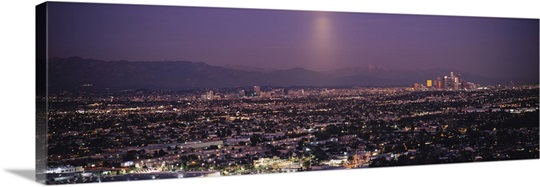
(322, 42)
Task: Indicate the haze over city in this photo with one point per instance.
(275, 39)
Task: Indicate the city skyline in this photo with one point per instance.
(277, 39)
(131, 92)
(75, 73)
(453, 82)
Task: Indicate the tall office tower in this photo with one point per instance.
(456, 83)
(257, 90)
(439, 83)
(429, 83)
(448, 83)
(452, 80)
(210, 95)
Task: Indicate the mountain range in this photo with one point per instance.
(67, 74)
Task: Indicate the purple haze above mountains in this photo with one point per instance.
(501, 49)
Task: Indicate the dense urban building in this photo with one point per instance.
(143, 134)
(452, 82)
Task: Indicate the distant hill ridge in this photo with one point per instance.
(70, 73)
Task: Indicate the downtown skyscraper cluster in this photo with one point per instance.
(448, 83)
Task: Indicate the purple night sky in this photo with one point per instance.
(492, 47)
